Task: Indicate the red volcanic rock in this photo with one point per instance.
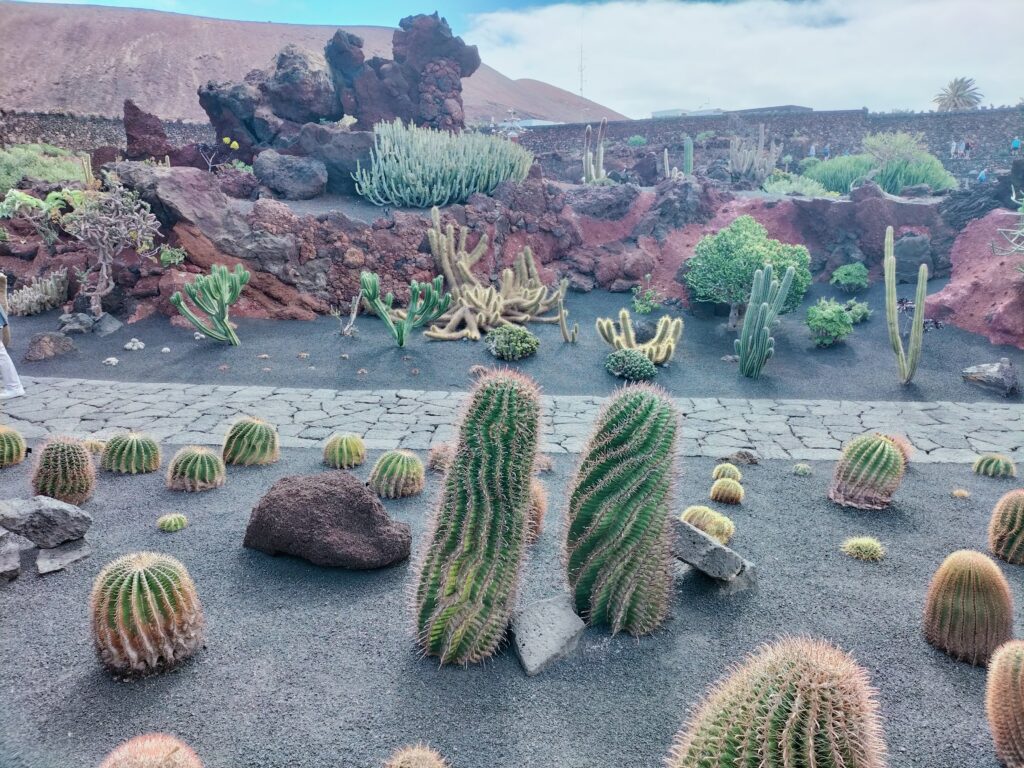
(145, 134)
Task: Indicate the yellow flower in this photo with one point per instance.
(226, 139)
(234, 145)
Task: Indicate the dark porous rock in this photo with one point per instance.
(43, 346)
(1001, 376)
(329, 519)
(602, 201)
(59, 558)
(647, 170)
(236, 183)
(76, 322)
(911, 252)
(100, 156)
(301, 87)
(741, 457)
(292, 177)
(678, 203)
(867, 190)
(44, 521)
(719, 170)
(146, 138)
(338, 148)
(916, 190)
(644, 329)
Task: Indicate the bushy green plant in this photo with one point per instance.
(631, 365)
(892, 160)
(780, 183)
(850, 277)
(40, 161)
(637, 141)
(43, 214)
(171, 257)
(857, 310)
(894, 146)
(807, 162)
(646, 298)
(893, 177)
(511, 342)
(828, 322)
(838, 173)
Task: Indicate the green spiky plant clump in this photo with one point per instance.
(994, 465)
(725, 490)
(631, 365)
(794, 704)
(868, 473)
(969, 609)
(12, 447)
(714, 524)
(419, 756)
(511, 342)
(619, 555)
(152, 750)
(863, 548)
(1004, 702)
(427, 302)
(214, 294)
(859, 311)
(344, 451)
(470, 571)
(146, 615)
(802, 470)
(64, 471)
(251, 441)
(131, 454)
(397, 474)
(172, 522)
(726, 469)
(1006, 528)
(195, 468)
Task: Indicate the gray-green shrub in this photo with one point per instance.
(828, 322)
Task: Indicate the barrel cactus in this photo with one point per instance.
(969, 609)
(1004, 702)
(397, 474)
(714, 524)
(171, 523)
(728, 470)
(419, 756)
(251, 441)
(195, 468)
(12, 447)
(470, 570)
(344, 451)
(799, 702)
(146, 615)
(152, 750)
(725, 490)
(868, 473)
(1006, 528)
(131, 454)
(64, 471)
(538, 509)
(802, 470)
(995, 465)
(618, 540)
(904, 445)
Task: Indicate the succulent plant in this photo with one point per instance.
(397, 474)
(131, 454)
(64, 471)
(797, 703)
(251, 441)
(618, 538)
(714, 524)
(1006, 528)
(725, 490)
(195, 468)
(868, 473)
(171, 523)
(904, 445)
(511, 342)
(725, 469)
(863, 548)
(440, 457)
(94, 446)
(1004, 702)
(344, 451)
(419, 756)
(802, 470)
(631, 365)
(995, 465)
(538, 509)
(470, 570)
(12, 447)
(146, 615)
(152, 750)
(969, 609)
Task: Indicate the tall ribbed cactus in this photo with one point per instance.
(64, 471)
(1004, 702)
(152, 750)
(130, 454)
(619, 557)
(799, 703)
(1006, 528)
(755, 346)
(470, 571)
(868, 473)
(593, 154)
(12, 447)
(905, 361)
(251, 441)
(214, 294)
(687, 155)
(427, 302)
(146, 615)
(969, 609)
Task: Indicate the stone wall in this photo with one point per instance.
(85, 133)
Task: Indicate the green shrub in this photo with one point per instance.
(829, 322)
(894, 146)
(927, 169)
(511, 342)
(850, 277)
(807, 162)
(646, 298)
(637, 141)
(892, 160)
(788, 184)
(631, 365)
(837, 174)
(39, 161)
(857, 310)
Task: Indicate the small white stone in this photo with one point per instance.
(111, 361)
(134, 345)
(165, 350)
(198, 336)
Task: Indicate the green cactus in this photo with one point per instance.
(659, 350)
(344, 451)
(994, 465)
(195, 468)
(714, 524)
(397, 474)
(725, 490)
(802, 470)
(64, 471)
(146, 615)
(868, 473)
(687, 155)
(470, 572)
(906, 361)
(12, 447)
(1006, 528)
(619, 554)
(1004, 702)
(171, 523)
(131, 454)
(152, 750)
(593, 154)
(863, 548)
(756, 345)
(214, 294)
(251, 441)
(427, 302)
(726, 469)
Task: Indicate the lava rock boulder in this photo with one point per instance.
(290, 176)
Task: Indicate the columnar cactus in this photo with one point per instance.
(725, 490)
(538, 509)
(397, 474)
(1004, 702)
(1006, 528)
(906, 361)
(756, 345)
(619, 554)
(687, 155)
(726, 469)
(146, 615)
(195, 468)
(12, 447)
(714, 524)
(470, 571)
(799, 702)
(344, 451)
(152, 750)
(131, 454)
(251, 441)
(419, 756)
(969, 609)
(64, 471)
(868, 473)
(995, 465)
(171, 522)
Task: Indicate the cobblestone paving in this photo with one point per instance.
(779, 429)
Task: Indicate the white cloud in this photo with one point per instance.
(827, 54)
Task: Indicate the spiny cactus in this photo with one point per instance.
(756, 345)
(94, 446)
(195, 468)
(802, 470)
(146, 615)
(904, 445)
(427, 302)
(131, 454)
(538, 509)
(344, 451)
(863, 548)
(12, 447)
(687, 155)
(794, 704)
(214, 294)
(906, 361)
(659, 350)
(714, 524)
(593, 154)
(470, 570)
(619, 555)
(726, 469)
(64, 471)
(725, 490)
(995, 465)
(440, 457)
(41, 294)
(419, 756)
(1006, 528)
(251, 441)
(172, 522)
(152, 750)
(397, 474)
(868, 473)
(1004, 702)
(969, 609)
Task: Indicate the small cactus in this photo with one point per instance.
(131, 454)
(538, 509)
(904, 445)
(397, 474)
(995, 465)
(171, 523)
(152, 750)
(960, 493)
(440, 457)
(868, 473)
(195, 468)
(251, 441)
(714, 524)
(94, 446)
(1006, 528)
(728, 470)
(12, 447)
(725, 490)
(1004, 702)
(344, 451)
(64, 471)
(802, 470)
(419, 756)
(863, 548)
(146, 615)
(969, 609)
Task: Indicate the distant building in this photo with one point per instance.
(785, 109)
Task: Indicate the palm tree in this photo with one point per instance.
(961, 93)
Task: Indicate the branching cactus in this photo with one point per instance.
(618, 542)
(756, 345)
(427, 302)
(906, 361)
(593, 154)
(659, 350)
(146, 615)
(994, 465)
(397, 474)
(470, 570)
(969, 609)
(152, 750)
(1004, 702)
(344, 451)
(131, 454)
(12, 447)
(1006, 528)
(799, 702)
(251, 441)
(64, 471)
(868, 473)
(195, 468)
(214, 294)
(419, 756)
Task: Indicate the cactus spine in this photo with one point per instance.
(214, 294)
(427, 302)
(659, 350)
(1004, 702)
(12, 447)
(868, 473)
(397, 474)
(251, 441)
(906, 361)
(687, 155)
(344, 451)
(994, 465)
(714, 524)
(419, 756)
(131, 454)
(593, 154)
(618, 537)
(152, 750)
(195, 468)
(725, 490)
(64, 471)
(756, 345)
(171, 523)
(1006, 528)
(470, 570)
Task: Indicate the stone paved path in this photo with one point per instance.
(779, 429)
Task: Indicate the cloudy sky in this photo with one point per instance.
(647, 55)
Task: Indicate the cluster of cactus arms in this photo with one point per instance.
(470, 572)
(214, 294)
(251, 441)
(753, 161)
(906, 359)
(131, 454)
(1006, 528)
(994, 465)
(397, 474)
(152, 750)
(756, 345)
(714, 524)
(1004, 702)
(726, 469)
(969, 609)
(195, 468)
(41, 294)
(725, 490)
(344, 451)
(671, 172)
(569, 336)
(659, 350)
(618, 538)
(427, 302)
(12, 447)
(419, 756)
(172, 522)
(64, 471)
(868, 473)
(593, 154)
(795, 704)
